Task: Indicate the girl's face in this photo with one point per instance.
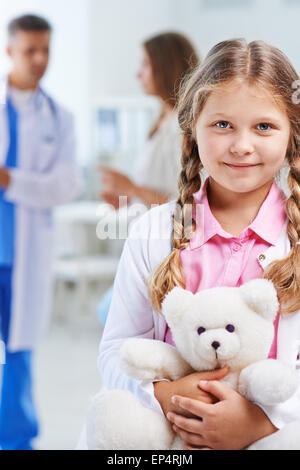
(242, 137)
(145, 74)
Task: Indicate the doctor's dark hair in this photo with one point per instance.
(265, 66)
(28, 23)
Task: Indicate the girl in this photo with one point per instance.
(241, 125)
(166, 59)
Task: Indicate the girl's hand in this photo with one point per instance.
(188, 387)
(232, 423)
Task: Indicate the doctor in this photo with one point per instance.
(37, 172)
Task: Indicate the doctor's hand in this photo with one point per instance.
(231, 423)
(4, 178)
(188, 387)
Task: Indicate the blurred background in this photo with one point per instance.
(95, 56)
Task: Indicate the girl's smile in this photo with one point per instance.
(241, 166)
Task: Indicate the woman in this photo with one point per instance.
(167, 58)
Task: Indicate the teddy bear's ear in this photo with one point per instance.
(176, 302)
(261, 296)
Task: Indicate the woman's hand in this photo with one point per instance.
(112, 199)
(188, 387)
(115, 183)
(232, 423)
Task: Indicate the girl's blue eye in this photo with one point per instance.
(200, 330)
(222, 124)
(264, 126)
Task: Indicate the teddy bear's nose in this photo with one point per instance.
(215, 344)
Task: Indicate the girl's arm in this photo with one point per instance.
(131, 314)
(187, 386)
(232, 423)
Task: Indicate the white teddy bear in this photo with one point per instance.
(223, 326)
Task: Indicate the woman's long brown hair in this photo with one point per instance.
(265, 66)
(172, 57)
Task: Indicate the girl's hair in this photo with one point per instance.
(172, 56)
(256, 64)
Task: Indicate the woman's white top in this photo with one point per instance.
(158, 165)
(131, 314)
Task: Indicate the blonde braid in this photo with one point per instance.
(168, 274)
(285, 273)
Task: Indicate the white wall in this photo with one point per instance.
(118, 29)
(274, 21)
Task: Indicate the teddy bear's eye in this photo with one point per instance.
(230, 328)
(200, 330)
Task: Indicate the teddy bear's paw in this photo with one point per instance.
(268, 382)
(135, 360)
(117, 421)
(287, 438)
(150, 360)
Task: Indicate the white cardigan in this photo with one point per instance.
(131, 314)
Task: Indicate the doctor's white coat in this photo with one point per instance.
(131, 314)
(47, 175)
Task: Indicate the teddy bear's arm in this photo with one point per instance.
(146, 359)
(268, 382)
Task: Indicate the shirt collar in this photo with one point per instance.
(267, 224)
(37, 98)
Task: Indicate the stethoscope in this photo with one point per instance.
(48, 134)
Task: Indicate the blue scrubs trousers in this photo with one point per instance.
(18, 419)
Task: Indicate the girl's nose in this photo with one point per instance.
(241, 145)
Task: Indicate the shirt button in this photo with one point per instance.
(261, 257)
(236, 247)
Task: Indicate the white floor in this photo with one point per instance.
(66, 376)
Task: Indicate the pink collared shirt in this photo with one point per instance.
(216, 258)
